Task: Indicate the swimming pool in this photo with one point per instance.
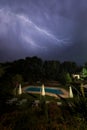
(47, 90)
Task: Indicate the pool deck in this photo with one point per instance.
(64, 95)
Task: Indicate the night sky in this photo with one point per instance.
(49, 29)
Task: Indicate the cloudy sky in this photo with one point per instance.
(50, 29)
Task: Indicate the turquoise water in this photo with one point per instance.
(49, 90)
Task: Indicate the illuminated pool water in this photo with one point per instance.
(47, 89)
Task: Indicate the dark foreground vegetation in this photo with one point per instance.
(24, 114)
(71, 115)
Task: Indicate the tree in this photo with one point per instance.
(17, 79)
(1, 71)
(51, 69)
(65, 78)
(70, 67)
(33, 69)
(68, 78)
(84, 73)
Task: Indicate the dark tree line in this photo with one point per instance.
(35, 69)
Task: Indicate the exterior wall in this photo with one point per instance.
(76, 76)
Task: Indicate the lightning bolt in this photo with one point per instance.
(25, 19)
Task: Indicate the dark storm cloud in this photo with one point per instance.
(53, 29)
